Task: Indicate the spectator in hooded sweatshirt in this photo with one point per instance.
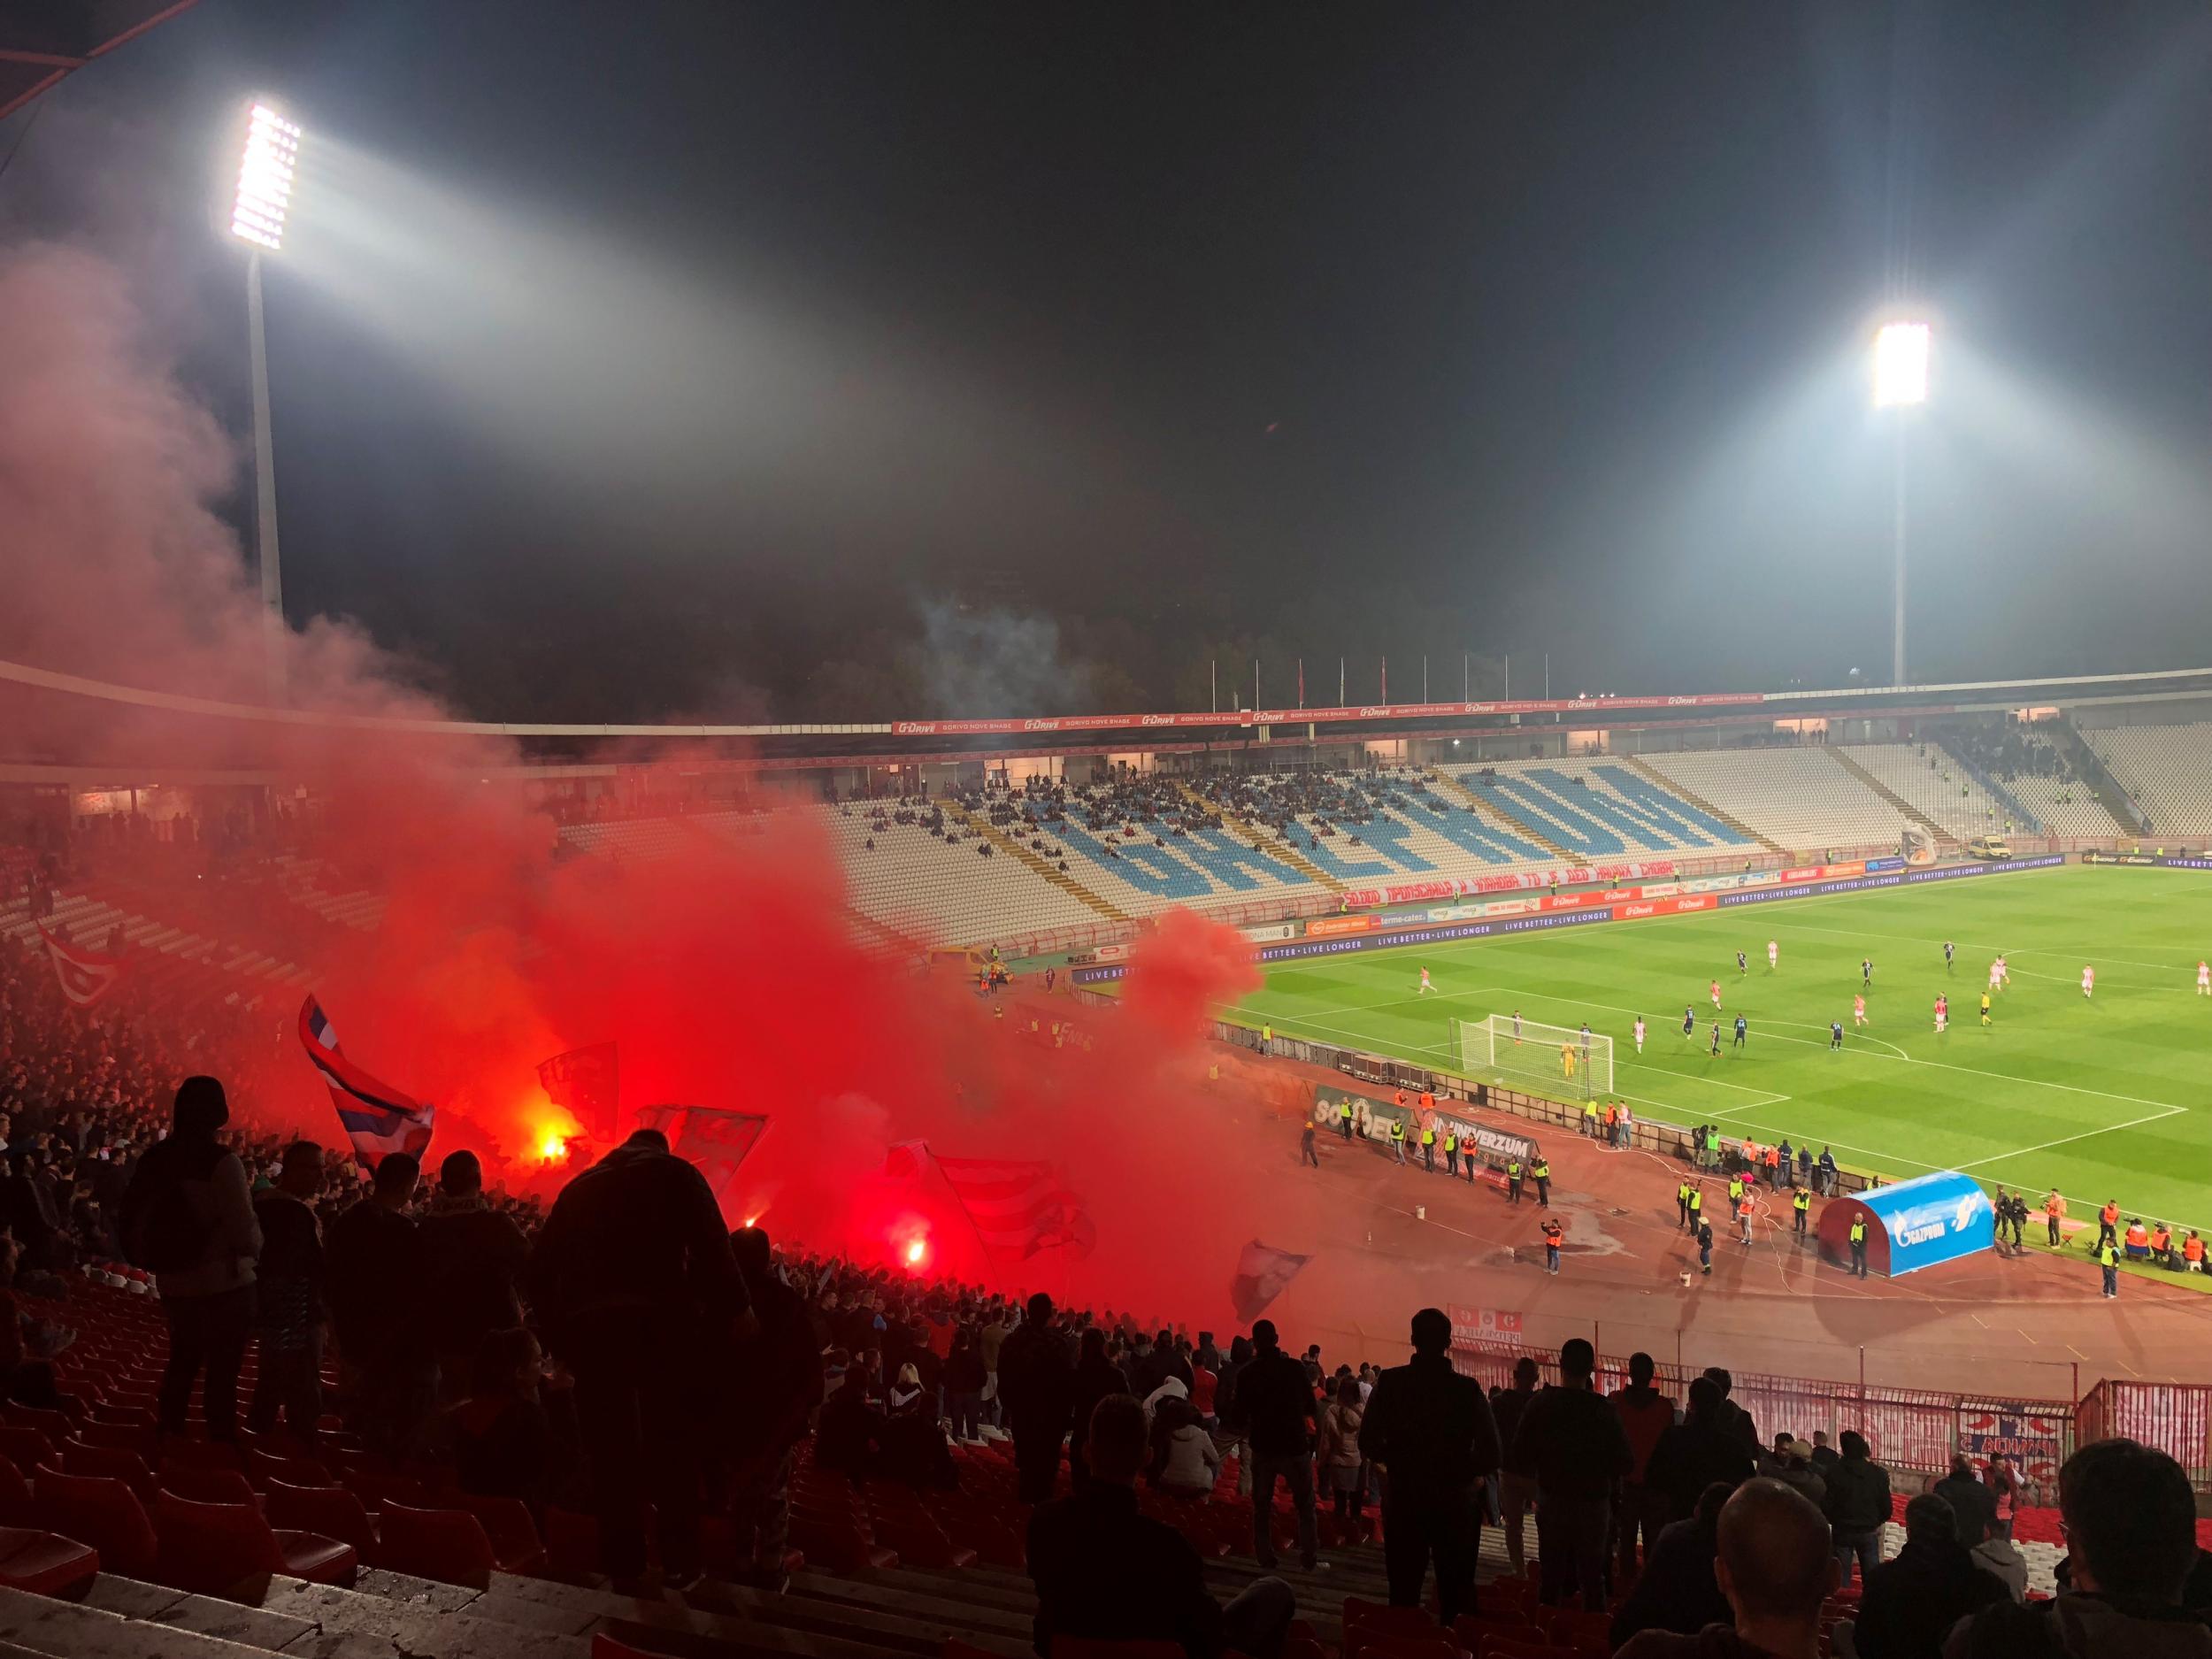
(1858, 1506)
(1775, 1568)
(1678, 1590)
(2130, 1529)
(188, 1216)
(1697, 1453)
(1646, 1413)
(1574, 1438)
(1910, 1603)
(478, 1257)
(633, 1283)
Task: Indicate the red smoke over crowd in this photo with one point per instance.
(729, 972)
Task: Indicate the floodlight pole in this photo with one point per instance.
(264, 521)
(1897, 536)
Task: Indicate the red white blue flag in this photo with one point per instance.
(86, 975)
(378, 1117)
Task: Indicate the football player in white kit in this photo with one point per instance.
(2204, 979)
(2088, 979)
(1426, 986)
(1774, 956)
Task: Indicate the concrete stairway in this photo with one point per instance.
(1912, 813)
(1503, 812)
(1280, 849)
(1008, 845)
(1702, 803)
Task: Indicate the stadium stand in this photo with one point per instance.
(1600, 809)
(1936, 783)
(1803, 799)
(2166, 771)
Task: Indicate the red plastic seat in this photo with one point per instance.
(572, 1543)
(55, 1426)
(838, 1543)
(1380, 1619)
(516, 1546)
(26, 1448)
(333, 1511)
(112, 1462)
(262, 1467)
(16, 1503)
(180, 1453)
(920, 1541)
(377, 1490)
(129, 1437)
(206, 1485)
(46, 1564)
(448, 1545)
(224, 1548)
(1081, 1648)
(101, 1512)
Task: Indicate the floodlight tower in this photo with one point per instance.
(258, 216)
(1900, 383)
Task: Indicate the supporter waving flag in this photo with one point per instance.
(378, 1117)
(1017, 1206)
(86, 975)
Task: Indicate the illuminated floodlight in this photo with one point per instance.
(1900, 365)
(264, 179)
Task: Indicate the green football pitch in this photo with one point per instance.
(2103, 1097)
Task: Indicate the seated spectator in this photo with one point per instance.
(845, 1439)
(1775, 1566)
(507, 1442)
(1185, 1460)
(1104, 1572)
(911, 1448)
(907, 1389)
(1677, 1591)
(1911, 1602)
(2131, 1525)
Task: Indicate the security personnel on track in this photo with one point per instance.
(1451, 1152)
(2053, 1212)
(1540, 1168)
(1735, 1190)
(1802, 1201)
(1398, 1138)
(1705, 1247)
(2109, 1224)
(1552, 1233)
(1697, 1208)
(1858, 1245)
(1590, 1118)
(1428, 1145)
(1513, 1178)
(1344, 1116)
(2109, 1259)
(1682, 1205)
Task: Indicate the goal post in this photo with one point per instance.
(1551, 1060)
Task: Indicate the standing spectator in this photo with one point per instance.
(633, 1279)
(1678, 1590)
(963, 1387)
(1104, 1572)
(1185, 1460)
(1774, 1567)
(188, 1216)
(2131, 1528)
(775, 1382)
(1516, 1478)
(988, 1342)
(1697, 1453)
(1036, 1383)
(1581, 1454)
(2005, 1492)
(1275, 1408)
(1096, 1376)
(1973, 1504)
(1858, 1505)
(376, 1277)
(1340, 1457)
(1431, 1432)
(1910, 1603)
(477, 1258)
(290, 1295)
(1646, 1413)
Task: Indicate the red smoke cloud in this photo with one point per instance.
(728, 972)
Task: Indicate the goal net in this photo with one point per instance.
(1551, 1060)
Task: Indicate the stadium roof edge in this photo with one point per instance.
(1140, 726)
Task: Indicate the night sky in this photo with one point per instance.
(863, 361)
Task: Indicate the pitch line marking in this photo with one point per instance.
(2132, 1123)
(1918, 939)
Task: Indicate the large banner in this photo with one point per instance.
(2035, 1443)
(1247, 718)
(2156, 861)
(587, 1082)
(1526, 880)
(715, 1141)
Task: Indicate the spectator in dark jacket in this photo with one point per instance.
(507, 1442)
(373, 1274)
(1095, 1377)
(1104, 1572)
(775, 1382)
(1275, 1405)
(1910, 1603)
(2131, 1525)
(1035, 1383)
(1581, 1455)
(188, 1214)
(1431, 1431)
(1858, 1506)
(1516, 1478)
(1774, 1566)
(478, 1257)
(1677, 1591)
(963, 1386)
(289, 1317)
(633, 1283)
(1973, 1504)
(1646, 1413)
(1697, 1453)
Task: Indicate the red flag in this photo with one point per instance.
(1017, 1207)
(588, 1082)
(714, 1141)
(86, 975)
(1264, 1273)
